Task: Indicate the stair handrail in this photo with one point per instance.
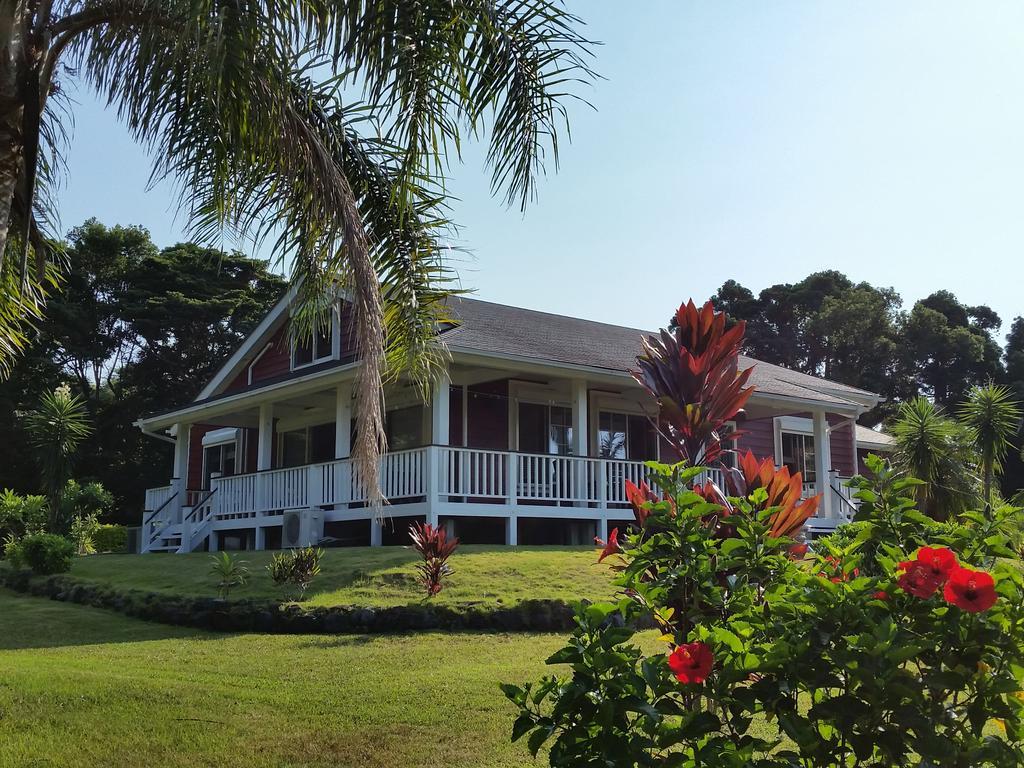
(160, 509)
(200, 505)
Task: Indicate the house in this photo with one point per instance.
(529, 438)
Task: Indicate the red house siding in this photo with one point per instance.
(454, 416)
(758, 437)
(841, 441)
(276, 360)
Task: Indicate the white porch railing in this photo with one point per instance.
(157, 497)
(432, 474)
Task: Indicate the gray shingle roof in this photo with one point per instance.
(500, 329)
(873, 437)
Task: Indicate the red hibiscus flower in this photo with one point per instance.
(691, 663)
(612, 547)
(940, 561)
(972, 591)
(880, 595)
(917, 579)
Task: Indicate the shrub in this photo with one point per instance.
(21, 514)
(229, 571)
(435, 548)
(83, 529)
(45, 553)
(929, 651)
(110, 538)
(82, 499)
(296, 568)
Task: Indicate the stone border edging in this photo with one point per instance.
(271, 617)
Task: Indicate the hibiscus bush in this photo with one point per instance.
(897, 642)
(903, 647)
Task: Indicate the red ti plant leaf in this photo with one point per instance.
(641, 497)
(784, 492)
(435, 548)
(693, 373)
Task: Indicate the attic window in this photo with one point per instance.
(325, 345)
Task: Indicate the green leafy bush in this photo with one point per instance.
(21, 514)
(83, 529)
(44, 553)
(296, 569)
(110, 538)
(902, 646)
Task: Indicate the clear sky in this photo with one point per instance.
(755, 141)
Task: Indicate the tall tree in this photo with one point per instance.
(246, 106)
(992, 418)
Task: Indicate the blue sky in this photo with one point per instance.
(755, 141)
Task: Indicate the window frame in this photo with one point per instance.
(334, 343)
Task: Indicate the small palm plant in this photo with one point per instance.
(992, 418)
(435, 548)
(229, 571)
(55, 431)
(297, 568)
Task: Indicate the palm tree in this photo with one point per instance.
(55, 431)
(324, 128)
(992, 418)
(936, 450)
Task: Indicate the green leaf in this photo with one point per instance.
(522, 726)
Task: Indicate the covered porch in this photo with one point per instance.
(498, 455)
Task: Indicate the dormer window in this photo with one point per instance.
(325, 345)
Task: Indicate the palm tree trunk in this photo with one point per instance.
(12, 37)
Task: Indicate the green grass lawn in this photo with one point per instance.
(83, 687)
(381, 576)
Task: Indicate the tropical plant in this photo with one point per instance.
(86, 499)
(435, 548)
(110, 538)
(229, 571)
(55, 430)
(692, 370)
(929, 648)
(296, 568)
(324, 128)
(938, 451)
(21, 514)
(992, 417)
(83, 532)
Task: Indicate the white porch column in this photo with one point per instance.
(179, 472)
(343, 421)
(376, 532)
(264, 453)
(439, 410)
(260, 538)
(512, 530)
(822, 463)
(580, 438)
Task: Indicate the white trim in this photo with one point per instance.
(248, 368)
(335, 353)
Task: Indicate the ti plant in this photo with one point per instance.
(435, 548)
(229, 571)
(296, 568)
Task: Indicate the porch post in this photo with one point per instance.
(440, 434)
(264, 453)
(822, 463)
(182, 444)
(580, 438)
(512, 530)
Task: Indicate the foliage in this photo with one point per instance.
(937, 450)
(44, 553)
(696, 361)
(435, 548)
(55, 430)
(993, 418)
(296, 568)
(21, 514)
(83, 532)
(229, 571)
(923, 664)
(110, 538)
(241, 106)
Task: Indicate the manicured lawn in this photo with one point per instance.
(376, 577)
(82, 687)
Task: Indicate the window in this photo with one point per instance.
(293, 448)
(318, 348)
(798, 454)
(308, 445)
(218, 460)
(626, 436)
(545, 429)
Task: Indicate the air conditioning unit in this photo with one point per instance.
(301, 528)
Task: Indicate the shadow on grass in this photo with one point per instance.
(35, 622)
